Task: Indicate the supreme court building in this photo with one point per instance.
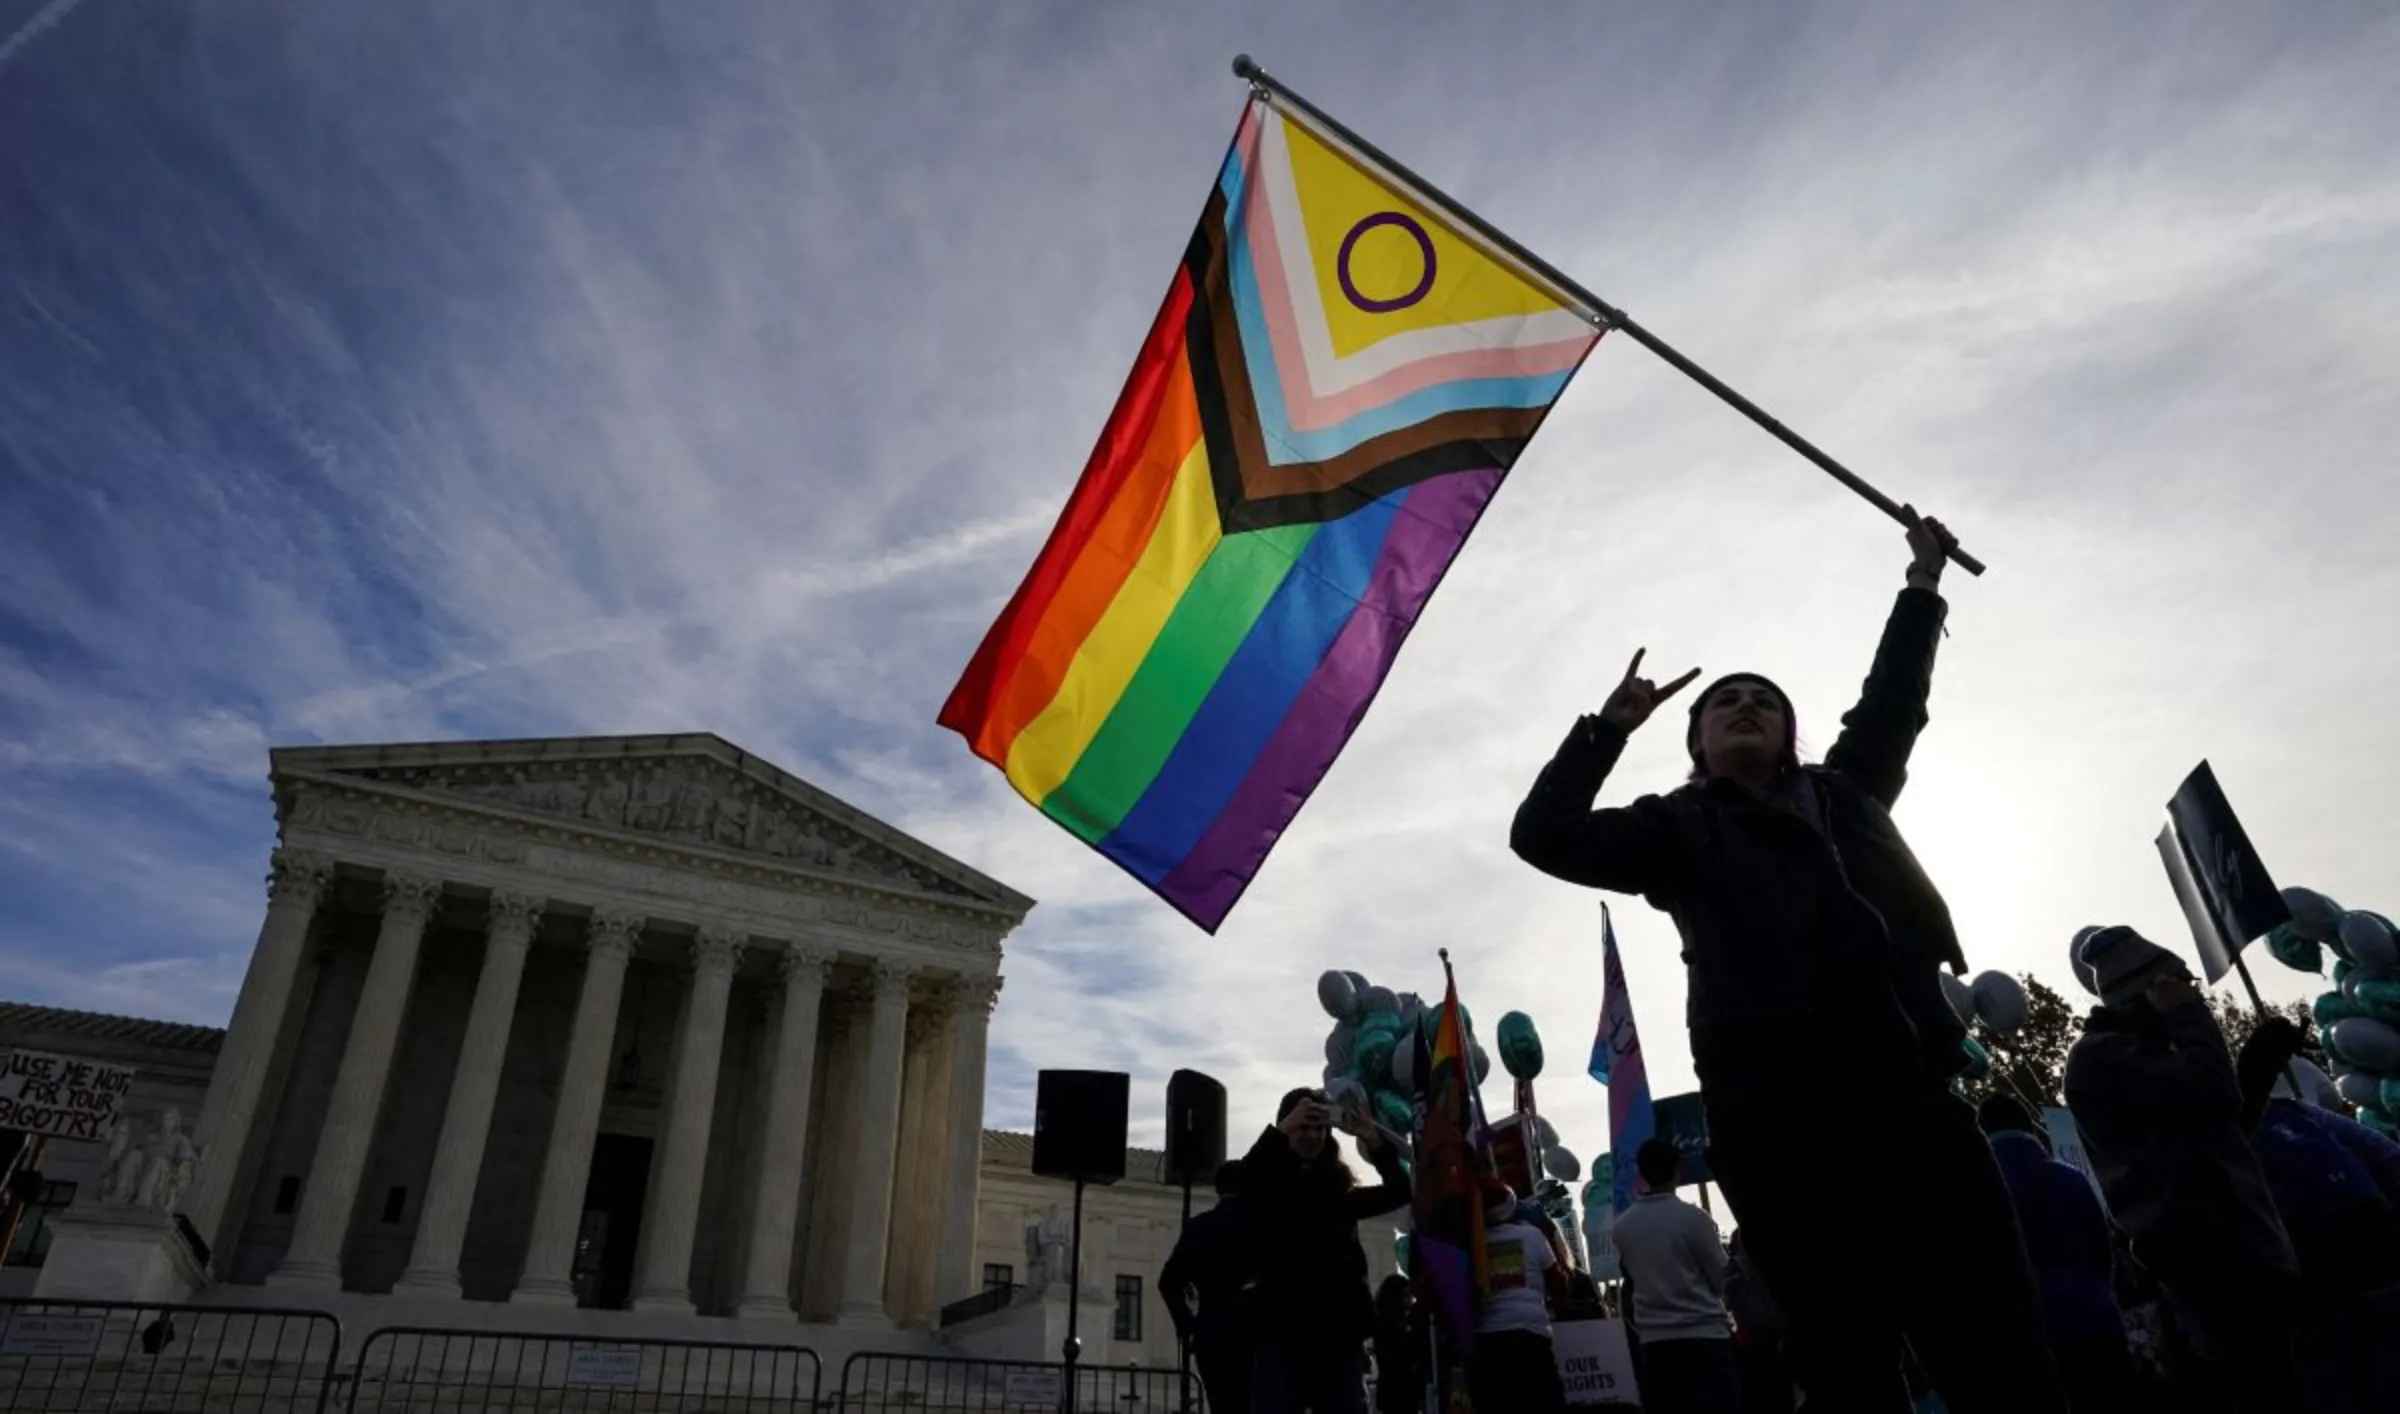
(619, 1022)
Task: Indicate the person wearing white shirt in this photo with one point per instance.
(1513, 1368)
(1671, 1253)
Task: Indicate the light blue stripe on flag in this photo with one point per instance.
(1617, 1063)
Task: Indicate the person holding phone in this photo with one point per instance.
(2158, 1102)
(1812, 941)
(1312, 1314)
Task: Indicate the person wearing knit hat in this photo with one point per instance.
(1811, 936)
(2159, 1104)
(1514, 1366)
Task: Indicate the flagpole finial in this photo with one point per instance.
(1444, 954)
(1244, 67)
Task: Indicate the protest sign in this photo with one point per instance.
(61, 1097)
(1594, 1362)
(1683, 1122)
(2227, 895)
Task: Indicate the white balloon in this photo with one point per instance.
(1378, 1001)
(1545, 1132)
(1562, 1164)
(2000, 1001)
(2369, 941)
(1404, 1067)
(2369, 1044)
(1337, 996)
(2316, 1087)
(1957, 994)
(1481, 1062)
(1358, 981)
(2359, 1088)
(1346, 1094)
(2314, 916)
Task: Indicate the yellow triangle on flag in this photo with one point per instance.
(1379, 286)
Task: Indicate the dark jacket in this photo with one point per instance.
(2160, 1112)
(1782, 921)
(2067, 1236)
(2337, 1185)
(1212, 1261)
(1302, 1220)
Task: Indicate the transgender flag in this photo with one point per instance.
(1617, 1064)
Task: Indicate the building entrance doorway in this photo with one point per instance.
(612, 1221)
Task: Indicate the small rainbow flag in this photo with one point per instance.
(1337, 382)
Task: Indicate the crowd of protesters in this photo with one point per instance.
(2232, 1248)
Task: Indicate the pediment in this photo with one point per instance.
(695, 790)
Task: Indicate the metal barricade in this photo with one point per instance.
(878, 1383)
(98, 1357)
(429, 1370)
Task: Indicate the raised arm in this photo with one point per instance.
(1879, 733)
(1630, 850)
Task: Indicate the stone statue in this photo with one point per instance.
(169, 1162)
(121, 1171)
(1046, 1250)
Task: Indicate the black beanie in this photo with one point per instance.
(1292, 1101)
(1791, 719)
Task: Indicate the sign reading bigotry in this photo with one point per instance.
(61, 1096)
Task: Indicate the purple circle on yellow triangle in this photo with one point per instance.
(1341, 263)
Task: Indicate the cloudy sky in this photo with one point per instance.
(454, 369)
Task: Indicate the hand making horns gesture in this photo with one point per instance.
(1637, 697)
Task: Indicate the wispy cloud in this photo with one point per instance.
(504, 370)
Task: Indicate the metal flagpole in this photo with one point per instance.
(1596, 309)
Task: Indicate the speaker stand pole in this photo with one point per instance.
(1183, 1339)
(1074, 1342)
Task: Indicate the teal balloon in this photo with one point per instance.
(1400, 1250)
(2294, 951)
(2332, 1007)
(2378, 998)
(2379, 1121)
(1979, 1060)
(1520, 1046)
(1374, 1056)
(1394, 1113)
(2390, 1098)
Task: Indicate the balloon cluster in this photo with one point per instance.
(1371, 1053)
(1994, 998)
(2360, 1018)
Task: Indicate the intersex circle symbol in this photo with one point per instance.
(1341, 263)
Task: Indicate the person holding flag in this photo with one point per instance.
(1812, 940)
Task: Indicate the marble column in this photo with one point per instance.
(474, 1084)
(664, 1282)
(331, 1189)
(783, 1149)
(296, 883)
(956, 1273)
(837, 1157)
(906, 1286)
(575, 1123)
(878, 1138)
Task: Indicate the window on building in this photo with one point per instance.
(32, 1242)
(998, 1276)
(1129, 1308)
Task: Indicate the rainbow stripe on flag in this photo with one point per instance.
(1335, 386)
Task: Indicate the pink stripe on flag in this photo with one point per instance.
(1430, 526)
